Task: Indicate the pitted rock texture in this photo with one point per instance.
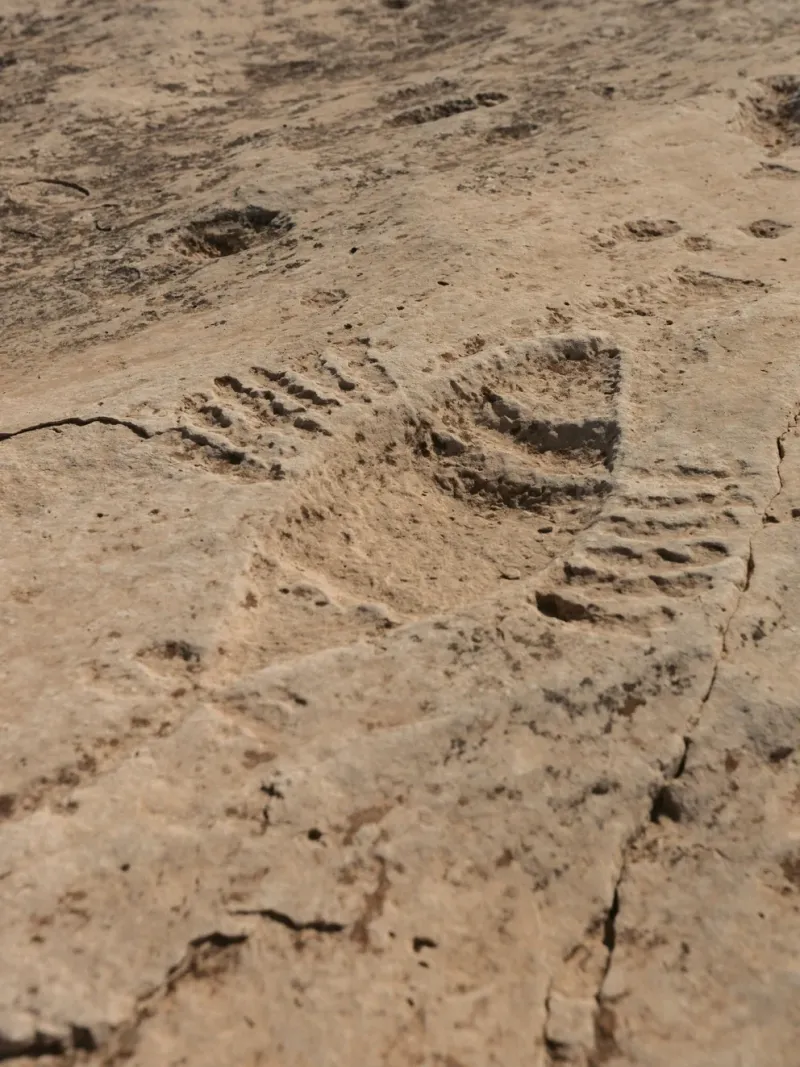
(400, 465)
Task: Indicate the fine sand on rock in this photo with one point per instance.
(400, 586)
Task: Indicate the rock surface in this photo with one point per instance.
(400, 467)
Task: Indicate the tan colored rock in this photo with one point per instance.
(400, 477)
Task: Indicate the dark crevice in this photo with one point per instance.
(83, 1039)
(218, 940)
(780, 445)
(710, 687)
(604, 1019)
(751, 567)
(220, 450)
(556, 1052)
(58, 181)
(419, 943)
(610, 924)
(122, 1041)
(666, 805)
(105, 420)
(200, 950)
(41, 1044)
(555, 606)
(319, 926)
(682, 763)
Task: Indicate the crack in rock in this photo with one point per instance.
(220, 449)
(320, 926)
(571, 1034)
(751, 566)
(40, 1044)
(197, 961)
(76, 420)
(666, 802)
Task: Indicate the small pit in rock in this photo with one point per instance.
(772, 116)
(650, 229)
(233, 230)
(768, 228)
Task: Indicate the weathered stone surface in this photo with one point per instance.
(400, 533)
